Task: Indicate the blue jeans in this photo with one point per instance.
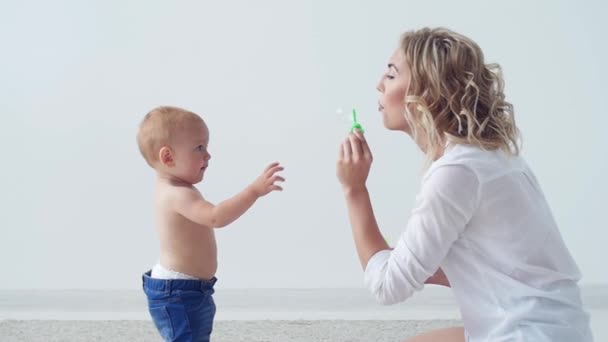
(182, 310)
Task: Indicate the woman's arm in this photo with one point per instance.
(366, 234)
(354, 162)
(447, 200)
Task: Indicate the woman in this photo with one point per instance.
(481, 224)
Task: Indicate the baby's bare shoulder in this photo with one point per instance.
(180, 196)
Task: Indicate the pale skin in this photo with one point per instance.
(353, 166)
(185, 219)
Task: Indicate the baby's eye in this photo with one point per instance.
(200, 148)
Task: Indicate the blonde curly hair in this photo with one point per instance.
(453, 95)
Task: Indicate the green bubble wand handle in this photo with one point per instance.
(355, 124)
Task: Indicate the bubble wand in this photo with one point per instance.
(356, 125)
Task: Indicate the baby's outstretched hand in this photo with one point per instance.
(265, 183)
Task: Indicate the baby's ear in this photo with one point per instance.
(165, 156)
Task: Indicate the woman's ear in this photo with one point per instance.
(165, 156)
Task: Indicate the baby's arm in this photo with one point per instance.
(194, 207)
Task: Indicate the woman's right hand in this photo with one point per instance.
(354, 162)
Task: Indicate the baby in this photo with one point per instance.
(174, 142)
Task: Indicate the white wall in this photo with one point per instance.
(77, 77)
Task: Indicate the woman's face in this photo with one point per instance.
(393, 87)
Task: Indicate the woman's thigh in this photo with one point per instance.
(441, 335)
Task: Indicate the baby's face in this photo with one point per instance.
(190, 153)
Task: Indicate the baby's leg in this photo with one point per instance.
(441, 335)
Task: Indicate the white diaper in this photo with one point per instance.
(160, 272)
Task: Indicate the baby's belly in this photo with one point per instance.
(192, 252)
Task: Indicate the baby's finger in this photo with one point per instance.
(271, 166)
(274, 170)
(277, 179)
(276, 188)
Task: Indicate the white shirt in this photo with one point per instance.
(482, 217)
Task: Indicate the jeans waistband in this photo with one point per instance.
(176, 284)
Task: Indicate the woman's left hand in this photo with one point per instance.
(354, 161)
(439, 278)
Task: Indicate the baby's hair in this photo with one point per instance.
(454, 95)
(160, 127)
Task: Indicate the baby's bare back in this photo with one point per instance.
(185, 246)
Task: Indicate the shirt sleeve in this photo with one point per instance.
(448, 197)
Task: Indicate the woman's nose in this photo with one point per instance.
(380, 86)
